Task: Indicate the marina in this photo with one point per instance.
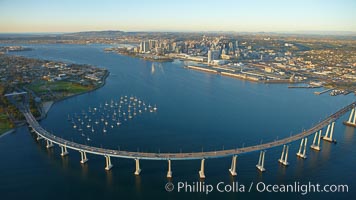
(108, 116)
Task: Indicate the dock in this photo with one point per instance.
(202, 69)
(322, 92)
(306, 86)
(240, 76)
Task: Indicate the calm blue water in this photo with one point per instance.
(196, 112)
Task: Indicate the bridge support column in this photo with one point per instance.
(39, 137)
(284, 157)
(64, 151)
(303, 145)
(329, 133)
(49, 144)
(83, 156)
(233, 166)
(261, 162)
(352, 119)
(169, 173)
(316, 141)
(138, 169)
(108, 163)
(201, 172)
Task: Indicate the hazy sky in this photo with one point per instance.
(177, 15)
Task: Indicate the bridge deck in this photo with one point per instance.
(178, 156)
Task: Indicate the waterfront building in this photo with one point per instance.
(152, 44)
(209, 56)
(144, 46)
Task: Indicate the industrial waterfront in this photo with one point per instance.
(198, 112)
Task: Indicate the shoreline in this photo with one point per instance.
(243, 77)
(162, 60)
(55, 101)
(7, 132)
(212, 69)
(74, 95)
(148, 57)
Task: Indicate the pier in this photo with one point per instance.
(322, 92)
(304, 87)
(203, 69)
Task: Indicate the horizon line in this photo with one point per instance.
(318, 32)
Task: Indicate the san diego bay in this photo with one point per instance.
(187, 111)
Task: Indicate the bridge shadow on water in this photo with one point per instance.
(349, 135)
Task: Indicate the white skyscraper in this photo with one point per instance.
(144, 47)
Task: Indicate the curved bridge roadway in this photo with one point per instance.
(177, 156)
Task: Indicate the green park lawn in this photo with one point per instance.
(58, 86)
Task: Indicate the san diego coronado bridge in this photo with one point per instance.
(329, 122)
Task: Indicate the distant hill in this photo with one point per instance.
(336, 33)
(167, 35)
(89, 34)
